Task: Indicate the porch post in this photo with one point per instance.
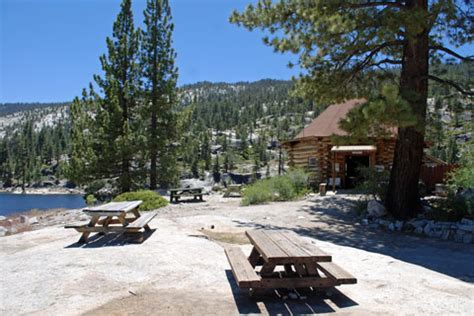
(334, 173)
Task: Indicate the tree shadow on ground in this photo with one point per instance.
(113, 240)
(274, 303)
(332, 219)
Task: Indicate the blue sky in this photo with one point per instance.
(49, 49)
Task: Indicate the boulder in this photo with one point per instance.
(417, 223)
(445, 234)
(376, 209)
(419, 230)
(24, 219)
(3, 231)
(466, 221)
(427, 229)
(459, 236)
(466, 228)
(2, 218)
(398, 225)
(33, 221)
(391, 227)
(468, 238)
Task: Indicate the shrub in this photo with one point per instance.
(90, 199)
(375, 183)
(300, 180)
(463, 177)
(151, 200)
(257, 193)
(95, 186)
(282, 188)
(451, 209)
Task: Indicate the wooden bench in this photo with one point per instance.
(333, 271)
(141, 222)
(243, 272)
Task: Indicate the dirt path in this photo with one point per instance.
(181, 268)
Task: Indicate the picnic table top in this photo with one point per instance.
(187, 189)
(114, 207)
(279, 246)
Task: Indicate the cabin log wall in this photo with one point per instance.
(301, 151)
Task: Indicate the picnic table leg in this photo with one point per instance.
(311, 268)
(288, 269)
(137, 215)
(300, 269)
(85, 235)
(105, 223)
(267, 269)
(254, 256)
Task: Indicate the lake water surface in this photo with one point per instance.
(14, 203)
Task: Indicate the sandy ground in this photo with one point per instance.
(181, 268)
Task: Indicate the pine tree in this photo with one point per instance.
(117, 116)
(341, 44)
(82, 163)
(160, 76)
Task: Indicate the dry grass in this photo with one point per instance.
(226, 237)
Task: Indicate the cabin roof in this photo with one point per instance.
(327, 123)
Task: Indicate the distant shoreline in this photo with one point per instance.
(45, 191)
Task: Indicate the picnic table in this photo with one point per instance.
(117, 217)
(176, 194)
(281, 259)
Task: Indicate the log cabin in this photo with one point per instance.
(314, 149)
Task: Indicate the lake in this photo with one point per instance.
(13, 203)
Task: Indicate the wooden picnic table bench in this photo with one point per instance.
(104, 219)
(281, 259)
(176, 194)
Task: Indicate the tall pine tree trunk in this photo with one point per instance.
(153, 148)
(403, 196)
(126, 178)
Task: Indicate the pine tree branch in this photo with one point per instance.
(370, 4)
(386, 61)
(452, 84)
(366, 62)
(452, 53)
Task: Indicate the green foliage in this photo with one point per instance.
(282, 188)
(360, 206)
(279, 188)
(257, 193)
(151, 200)
(463, 177)
(94, 186)
(378, 116)
(90, 199)
(299, 179)
(375, 183)
(452, 209)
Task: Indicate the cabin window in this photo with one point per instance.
(312, 162)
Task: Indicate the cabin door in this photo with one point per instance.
(353, 166)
